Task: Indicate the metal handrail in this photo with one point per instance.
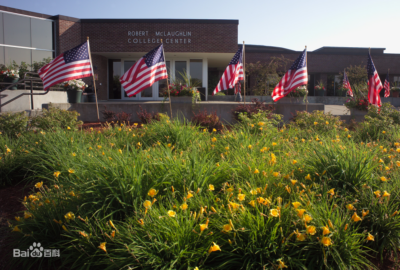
(25, 79)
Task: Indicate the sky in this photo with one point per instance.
(288, 24)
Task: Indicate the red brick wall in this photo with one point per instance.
(69, 35)
(207, 37)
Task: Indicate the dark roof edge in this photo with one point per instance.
(348, 48)
(66, 18)
(200, 21)
(259, 48)
(25, 12)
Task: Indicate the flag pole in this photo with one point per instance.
(94, 81)
(244, 74)
(169, 95)
(307, 80)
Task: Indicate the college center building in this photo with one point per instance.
(201, 48)
(197, 47)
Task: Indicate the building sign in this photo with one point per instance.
(169, 37)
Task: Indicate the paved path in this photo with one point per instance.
(337, 109)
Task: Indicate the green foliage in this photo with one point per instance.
(56, 118)
(13, 124)
(318, 121)
(355, 74)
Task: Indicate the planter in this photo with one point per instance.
(12, 80)
(293, 100)
(394, 93)
(319, 92)
(357, 112)
(74, 96)
(91, 98)
(182, 99)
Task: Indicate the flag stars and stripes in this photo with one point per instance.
(374, 83)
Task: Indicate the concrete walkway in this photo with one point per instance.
(337, 109)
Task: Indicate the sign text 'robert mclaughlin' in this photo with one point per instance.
(137, 37)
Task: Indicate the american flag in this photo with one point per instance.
(386, 85)
(374, 83)
(296, 76)
(70, 65)
(146, 71)
(346, 84)
(238, 88)
(233, 73)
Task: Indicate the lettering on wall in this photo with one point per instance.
(169, 37)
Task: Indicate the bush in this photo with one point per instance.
(255, 107)
(263, 120)
(12, 124)
(317, 120)
(209, 121)
(54, 118)
(108, 115)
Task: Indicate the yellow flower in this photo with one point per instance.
(325, 230)
(213, 209)
(293, 182)
(56, 187)
(211, 187)
(288, 189)
(73, 154)
(380, 160)
(152, 192)
(250, 146)
(203, 227)
(99, 146)
(364, 213)
(147, 204)
(38, 184)
(308, 177)
(386, 194)
(120, 151)
(141, 221)
(227, 228)
(296, 204)
(294, 161)
(252, 203)
(274, 212)
(315, 123)
(307, 218)
(256, 171)
(213, 248)
(27, 215)
(103, 246)
(311, 230)
(56, 174)
(17, 218)
(326, 241)
(281, 265)
(169, 145)
(69, 216)
(355, 217)
(370, 237)
(190, 195)
(398, 150)
(16, 229)
(217, 164)
(350, 207)
(71, 193)
(171, 213)
(275, 174)
(214, 139)
(300, 212)
(327, 122)
(377, 193)
(64, 228)
(383, 132)
(301, 237)
(349, 136)
(184, 206)
(241, 197)
(274, 144)
(331, 191)
(394, 213)
(71, 171)
(345, 227)
(383, 179)
(83, 234)
(112, 224)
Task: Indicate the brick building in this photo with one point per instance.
(202, 48)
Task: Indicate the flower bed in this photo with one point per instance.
(174, 195)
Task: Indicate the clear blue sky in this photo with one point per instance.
(289, 24)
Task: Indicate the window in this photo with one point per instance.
(18, 55)
(17, 30)
(162, 84)
(41, 34)
(180, 67)
(1, 29)
(396, 78)
(196, 71)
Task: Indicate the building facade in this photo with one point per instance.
(201, 48)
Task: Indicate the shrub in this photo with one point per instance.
(317, 120)
(263, 120)
(108, 115)
(146, 117)
(255, 107)
(12, 124)
(123, 117)
(209, 121)
(56, 118)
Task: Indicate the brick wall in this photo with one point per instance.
(204, 37)
(68, 35)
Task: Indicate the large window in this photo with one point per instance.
(180, 68)
(25, 39)
(196, 71)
